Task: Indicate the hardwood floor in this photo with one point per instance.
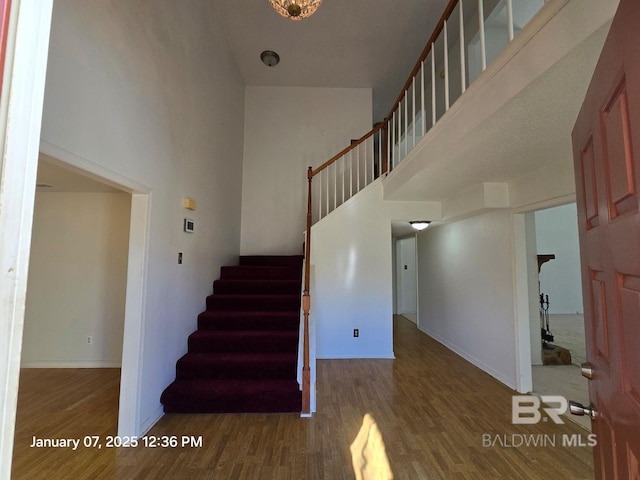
(432, 407)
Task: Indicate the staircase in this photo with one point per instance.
(243, 356)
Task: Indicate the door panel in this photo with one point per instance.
(599, 315)
(629, 298)
(606, 140)
(589, 185)
(618, 156)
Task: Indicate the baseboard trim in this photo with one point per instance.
(151, 421)
(359, 357)
(71, 365)
(470, 358)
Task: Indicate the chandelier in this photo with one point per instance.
(295, 9)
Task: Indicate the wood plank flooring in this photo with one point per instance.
(432, 407)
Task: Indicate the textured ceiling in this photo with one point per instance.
(346, 43)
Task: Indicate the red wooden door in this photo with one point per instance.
(5, 6)
(606, 145)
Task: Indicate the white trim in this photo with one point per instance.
(522, 337)
(550, 203)
(149, 423)
(82, 364)
(17, 192)
(129, 421)
(359, 357)
(90, 169)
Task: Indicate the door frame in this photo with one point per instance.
(398, 286)
(132, 344)
(526, 315)
(24, 73)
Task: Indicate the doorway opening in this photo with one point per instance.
(404, 259)
(557, 331)
(94, 224)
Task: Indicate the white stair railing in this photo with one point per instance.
(468, 37)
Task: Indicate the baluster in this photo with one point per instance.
(373, 157)
(350, 174)
(433, 85)
(510, 19)
(358, 169)
(344, 174)
(392, 155)
(366, 160)
(413, 111)
(446, 68)
(326, 176)
(320, 197)
(399, 159)
(463, 66)
(335, 185)
(423, 112)
(406, 123)
(483, 46)
(387, 136)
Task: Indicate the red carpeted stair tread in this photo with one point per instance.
(256, 287)
(237, 365)
(272, 260)
(232, 396)
(253, 302)
(250, 320)
(204, 341)
(260, 273)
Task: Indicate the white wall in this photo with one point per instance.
(557, 233)
(151, 92)
(351, 255)
(77, 280)
(286, 131)
(466, 290)
(351, 252)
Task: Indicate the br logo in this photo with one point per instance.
(525, 409)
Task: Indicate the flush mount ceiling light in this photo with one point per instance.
(270, 58)
(295, 9)
(420, 224)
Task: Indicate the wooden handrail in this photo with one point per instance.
(434, 36)
(343, 152)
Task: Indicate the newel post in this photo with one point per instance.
(306, 305)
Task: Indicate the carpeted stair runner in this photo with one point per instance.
(243, 356)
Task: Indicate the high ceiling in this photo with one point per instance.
(346, 43)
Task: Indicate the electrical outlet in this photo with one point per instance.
(356, 332)
(179, 258)
(89, 340)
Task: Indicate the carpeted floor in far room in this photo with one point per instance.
(566, 380)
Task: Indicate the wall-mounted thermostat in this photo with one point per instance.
(188, 225)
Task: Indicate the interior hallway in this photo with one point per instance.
(432, 407)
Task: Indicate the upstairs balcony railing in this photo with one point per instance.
(468, 37)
